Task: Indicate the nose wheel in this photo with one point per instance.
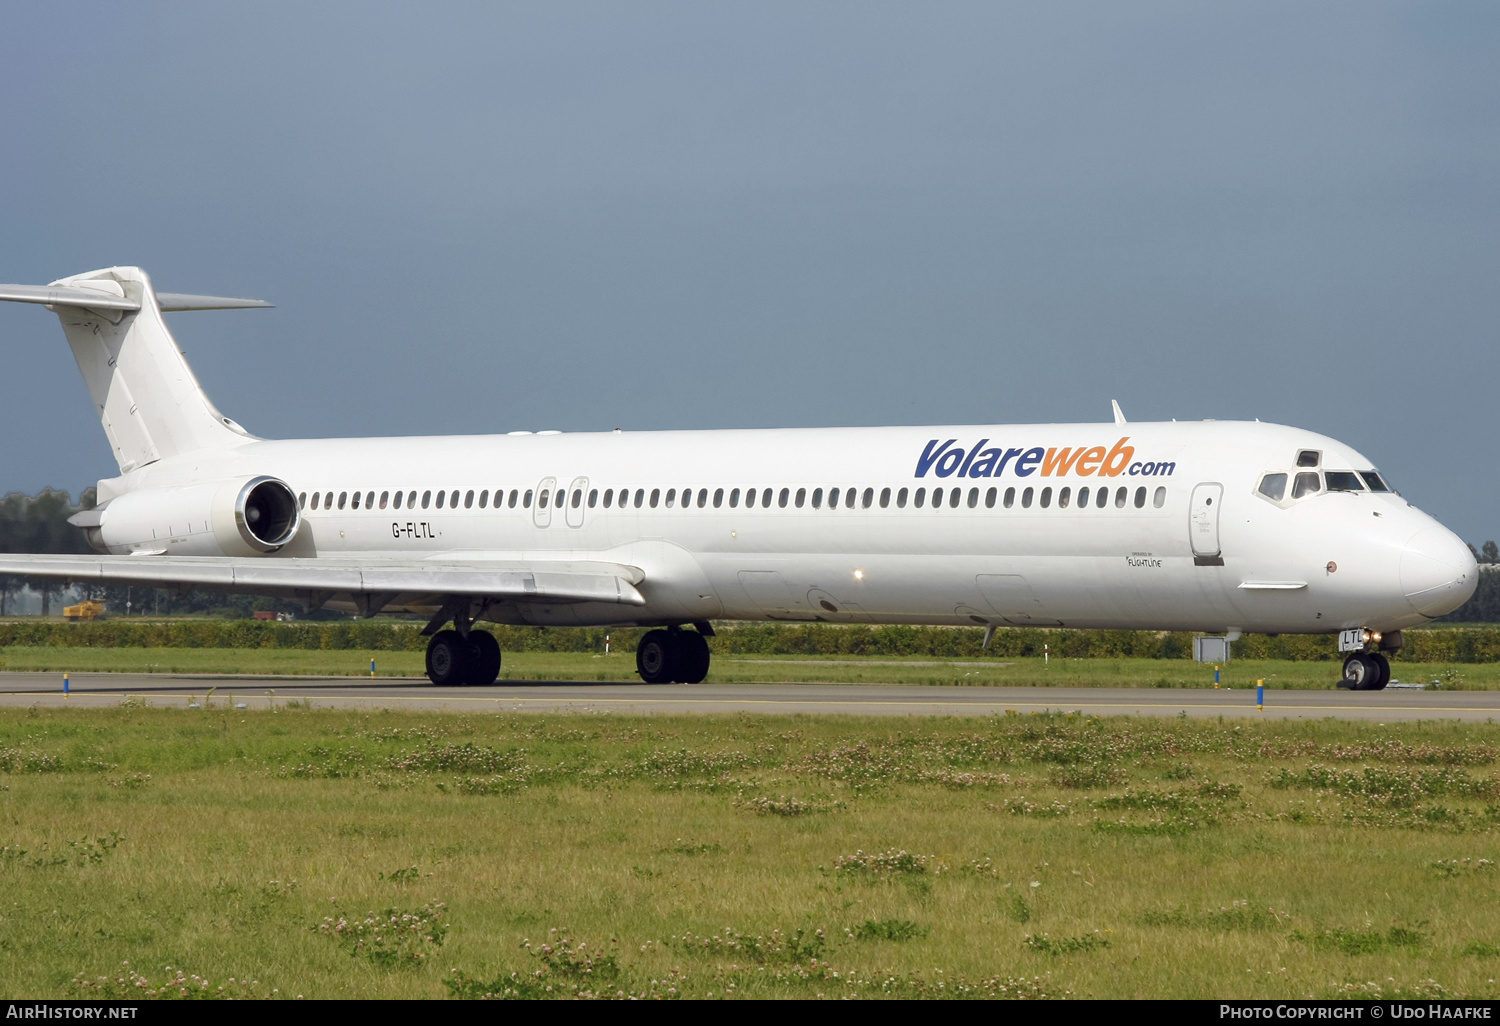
(1366, 671)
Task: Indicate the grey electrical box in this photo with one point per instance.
(1211, 650)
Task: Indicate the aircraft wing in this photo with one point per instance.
(391, 583)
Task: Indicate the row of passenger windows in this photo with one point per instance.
(953, 498)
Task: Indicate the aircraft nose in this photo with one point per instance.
(1438, 572)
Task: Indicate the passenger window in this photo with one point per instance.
(954, 497)
(453, 499)
(718, 497)
(1308, 458)
(833, 498)
(577, 497)
(918, 498)
(749, 498)
(1160, 498)
(1342, 481)
(609, 497)
(781, 499)
(702, 497)
(1102, 498)
(885, 498)
(734, 498)
(849, 494)
(316, 497)
(370, 500)
(937, 498)
(868, 499)
(765, 498)
(1046, 497)
(1026, 499)
(355, 503)
(469, 499)
(1374, 480)
(443, 495)
(817, 498)
(1063, 497)
(1140, 497)
(671, 497)
(484, 499)
(1272, 486)
(1010, 497)
(411, 499)
(1305, 484)
(1083, 498)
(302, 501)
(343, 497)
(384, 498)
(510, 502)
(541, 498)
(1120, 495)
(973, 497)
(801, 497)
(989, 499)
(655, 496)
(525, 500)
(593, 497)
(901, 499)
(396, 502)
(327, 501)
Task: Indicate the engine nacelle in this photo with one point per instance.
(251, 517)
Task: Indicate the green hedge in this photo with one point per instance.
(1455, 644)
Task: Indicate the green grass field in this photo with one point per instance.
(584, 666)
(326, 854)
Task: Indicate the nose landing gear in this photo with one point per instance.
(672, 656)
(1366, 671)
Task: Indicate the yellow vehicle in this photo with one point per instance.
(87, 610)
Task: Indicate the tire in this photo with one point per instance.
(656, 658)
(692, 657)
(485, 665)
(1361, 673)
(1383, 665)
(448, 658)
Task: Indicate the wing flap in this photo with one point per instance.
(557, 583)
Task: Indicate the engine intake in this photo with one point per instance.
(266, 513)
(244, 517)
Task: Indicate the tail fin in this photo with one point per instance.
(150, 403)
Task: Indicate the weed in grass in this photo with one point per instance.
(401, 877)
(1460, 867)
(82, 852)
(1066, 945)
(131, 781)
(887, 930)
(565, 968)
(28, 760)
(1361, 942)
(681, 847)
(1023, 807)
(390, 938)
(885, 863)
(1237, 915)
(129, 985)
(1017, 908)
(1481, 949)
(794, 946)
(1086, 776)
(1376, 990)
(1178, 771)
(785, 805)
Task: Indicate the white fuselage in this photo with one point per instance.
(1189, 544)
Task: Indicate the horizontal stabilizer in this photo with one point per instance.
(540, 582)
(98, 299)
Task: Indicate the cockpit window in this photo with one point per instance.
(1308, 458)
(1343, 481)
(1374, 480)
(1273, 486)
(1305, 484)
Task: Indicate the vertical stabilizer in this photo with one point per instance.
(149, 401)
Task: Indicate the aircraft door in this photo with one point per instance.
(1203, 520)
(577, 499)
(546, 498)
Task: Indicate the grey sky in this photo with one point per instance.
(481, 217)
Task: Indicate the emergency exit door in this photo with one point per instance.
(1203, 524)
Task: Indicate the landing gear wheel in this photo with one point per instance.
(656, 658)
(448, 658)
(1384, 666)
(1361, 673)
(692, 657)
(485, 665)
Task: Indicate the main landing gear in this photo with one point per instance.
(1366, 671)
(673, 656)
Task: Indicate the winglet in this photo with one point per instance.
(1119, 416)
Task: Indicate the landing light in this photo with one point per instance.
(859, 575)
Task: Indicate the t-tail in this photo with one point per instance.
(149, 401)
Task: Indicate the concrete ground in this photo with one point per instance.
(108, 689)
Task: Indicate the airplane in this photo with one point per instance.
(1204, 526)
